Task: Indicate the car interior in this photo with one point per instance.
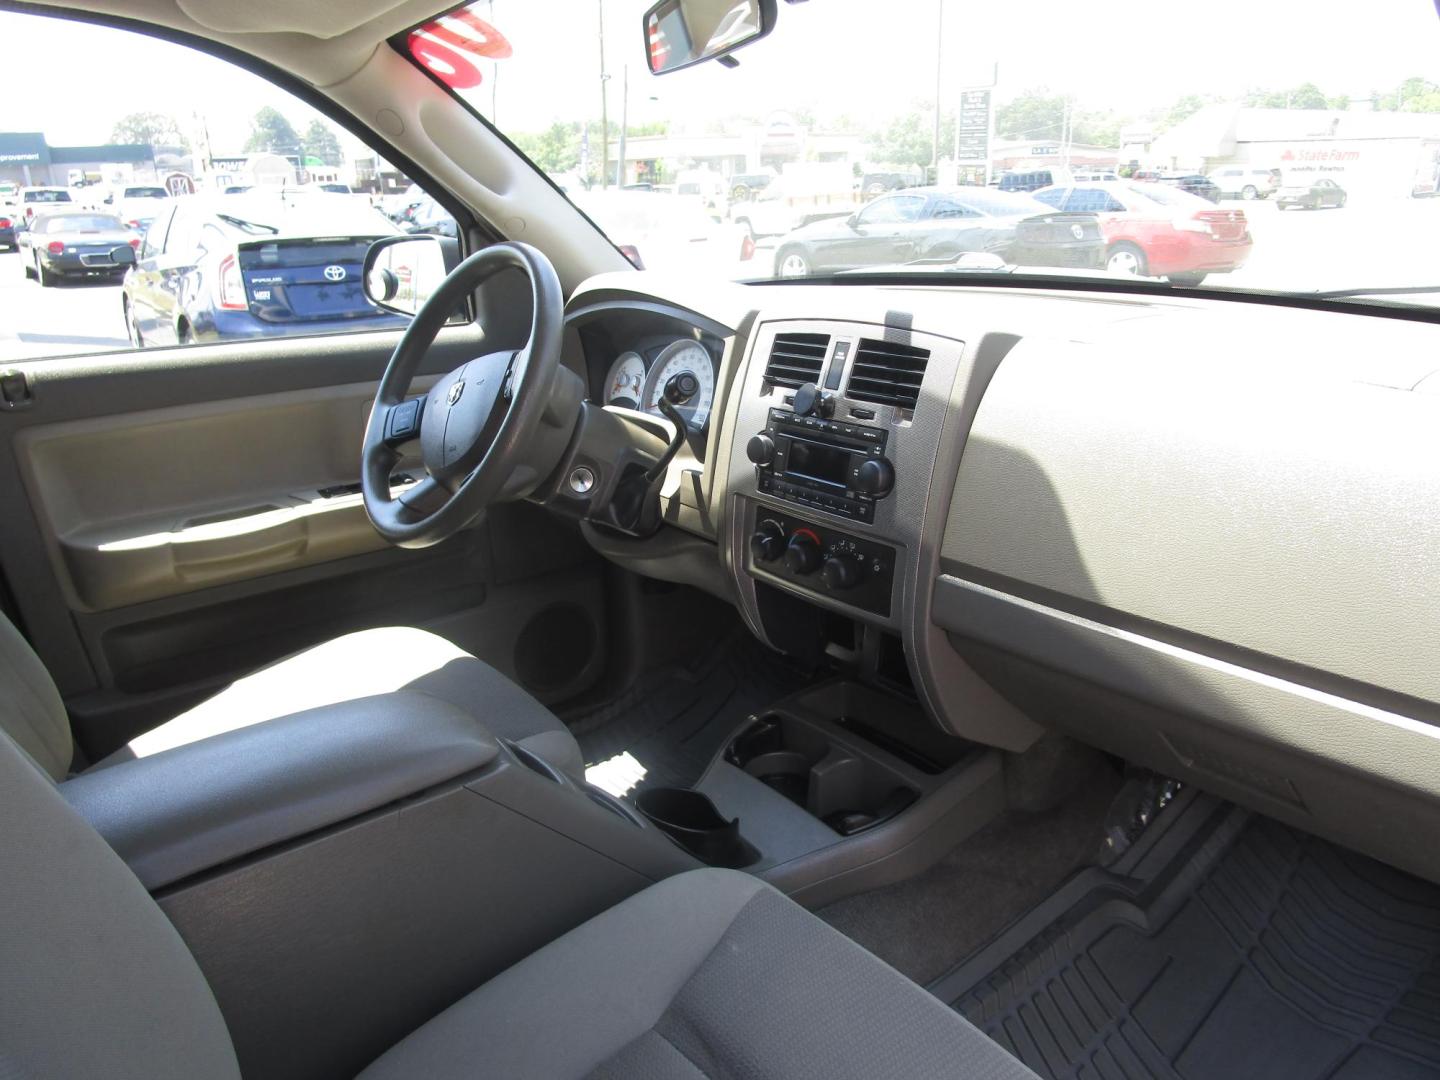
(909, 677)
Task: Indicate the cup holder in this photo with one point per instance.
(843, 788)
(692, 820)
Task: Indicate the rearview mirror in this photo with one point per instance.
(402, 272)
(680, 33)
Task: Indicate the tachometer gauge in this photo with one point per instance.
(688, 356)
(626, 382)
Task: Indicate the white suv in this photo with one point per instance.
(1246, 182)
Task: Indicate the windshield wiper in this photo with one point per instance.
(254, 228)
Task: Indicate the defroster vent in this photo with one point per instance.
(887, 373)
(796, 359)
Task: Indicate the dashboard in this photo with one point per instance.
(1125, 516)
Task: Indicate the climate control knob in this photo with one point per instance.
(840, 572)
(802, 554)
(876, 477)
(760, 449)
(767, 543)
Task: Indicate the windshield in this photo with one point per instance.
(145, 193)
(849, 101)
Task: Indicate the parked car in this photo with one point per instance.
(34, 200)
(1033, 179)
(804, 193)
(1159, 230)
(1245, 182)
(938, 224)
(330, 187)
(8, 240)
(137, 206)
(1311, 194)
(1194, 183)
(215, 268)
(873, 184)
(745, 186)
(429, 217)
(658, 231)
(75, 243)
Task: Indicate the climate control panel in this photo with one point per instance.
(823, 560)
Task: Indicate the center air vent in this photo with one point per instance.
(887, 373)
(796, 359)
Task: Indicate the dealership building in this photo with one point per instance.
(1369, 154)
(27, 159)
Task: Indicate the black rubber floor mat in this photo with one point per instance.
(675, 719)
(1257, 952)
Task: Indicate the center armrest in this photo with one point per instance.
(197, 806)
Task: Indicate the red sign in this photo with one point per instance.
(445, 45)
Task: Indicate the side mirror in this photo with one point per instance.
(123, 255)
(681, 33)
(853, 221)
(402, 272)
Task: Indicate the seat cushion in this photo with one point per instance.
(708, 974)
(363, 665)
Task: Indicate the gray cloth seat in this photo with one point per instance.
(710, 973)
(359, 665)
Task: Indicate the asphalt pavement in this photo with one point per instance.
(1362, 244)
(70, 317)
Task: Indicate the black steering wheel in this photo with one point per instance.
(476, 423)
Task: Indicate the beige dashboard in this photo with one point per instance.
(1204, 534)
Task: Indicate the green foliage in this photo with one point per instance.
(150, 129)
(321, 142)
(557, 148)
(908, 140)
(1039, 116)
(270, 131)
(1412, 95)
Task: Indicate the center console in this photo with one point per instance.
(836, 430)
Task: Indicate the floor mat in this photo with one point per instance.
(924, 925)
(1253, 951)
(673, 720)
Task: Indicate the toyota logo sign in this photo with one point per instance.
(334, 273)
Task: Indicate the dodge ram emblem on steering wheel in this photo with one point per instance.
(456, 390)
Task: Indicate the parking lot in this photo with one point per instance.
(1376, 244)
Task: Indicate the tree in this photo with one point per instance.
(1412, 95)
(269, 130)
(320, 142)
(149, 129)
(554, 150)
(909, 140)
(1305, 96)
(1036, 115)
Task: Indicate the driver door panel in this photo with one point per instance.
(184, 516)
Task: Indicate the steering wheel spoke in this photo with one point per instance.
(402, 420)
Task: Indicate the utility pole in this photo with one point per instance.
(604, 108)
(624, 122)
(939, 71)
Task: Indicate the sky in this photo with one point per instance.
(865, 59)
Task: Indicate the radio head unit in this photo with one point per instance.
(828, 464)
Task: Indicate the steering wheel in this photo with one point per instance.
(476, 423)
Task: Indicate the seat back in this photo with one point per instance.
(31, 711)
(96, 982)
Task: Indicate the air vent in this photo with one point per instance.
(796, 359)
(887, 373)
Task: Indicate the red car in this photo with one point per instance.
(1159, 231)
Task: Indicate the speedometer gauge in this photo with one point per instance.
(626, 382)
(688, 356)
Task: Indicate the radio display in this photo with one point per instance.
(817, 461)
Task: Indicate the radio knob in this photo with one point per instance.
(760, 449)
(876, 477)
(802, 555)
(840, 573)
(768, 542)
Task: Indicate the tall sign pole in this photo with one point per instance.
(604, 108)
(975, 126)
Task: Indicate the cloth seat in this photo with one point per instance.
(347, 668)
(711, 973)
